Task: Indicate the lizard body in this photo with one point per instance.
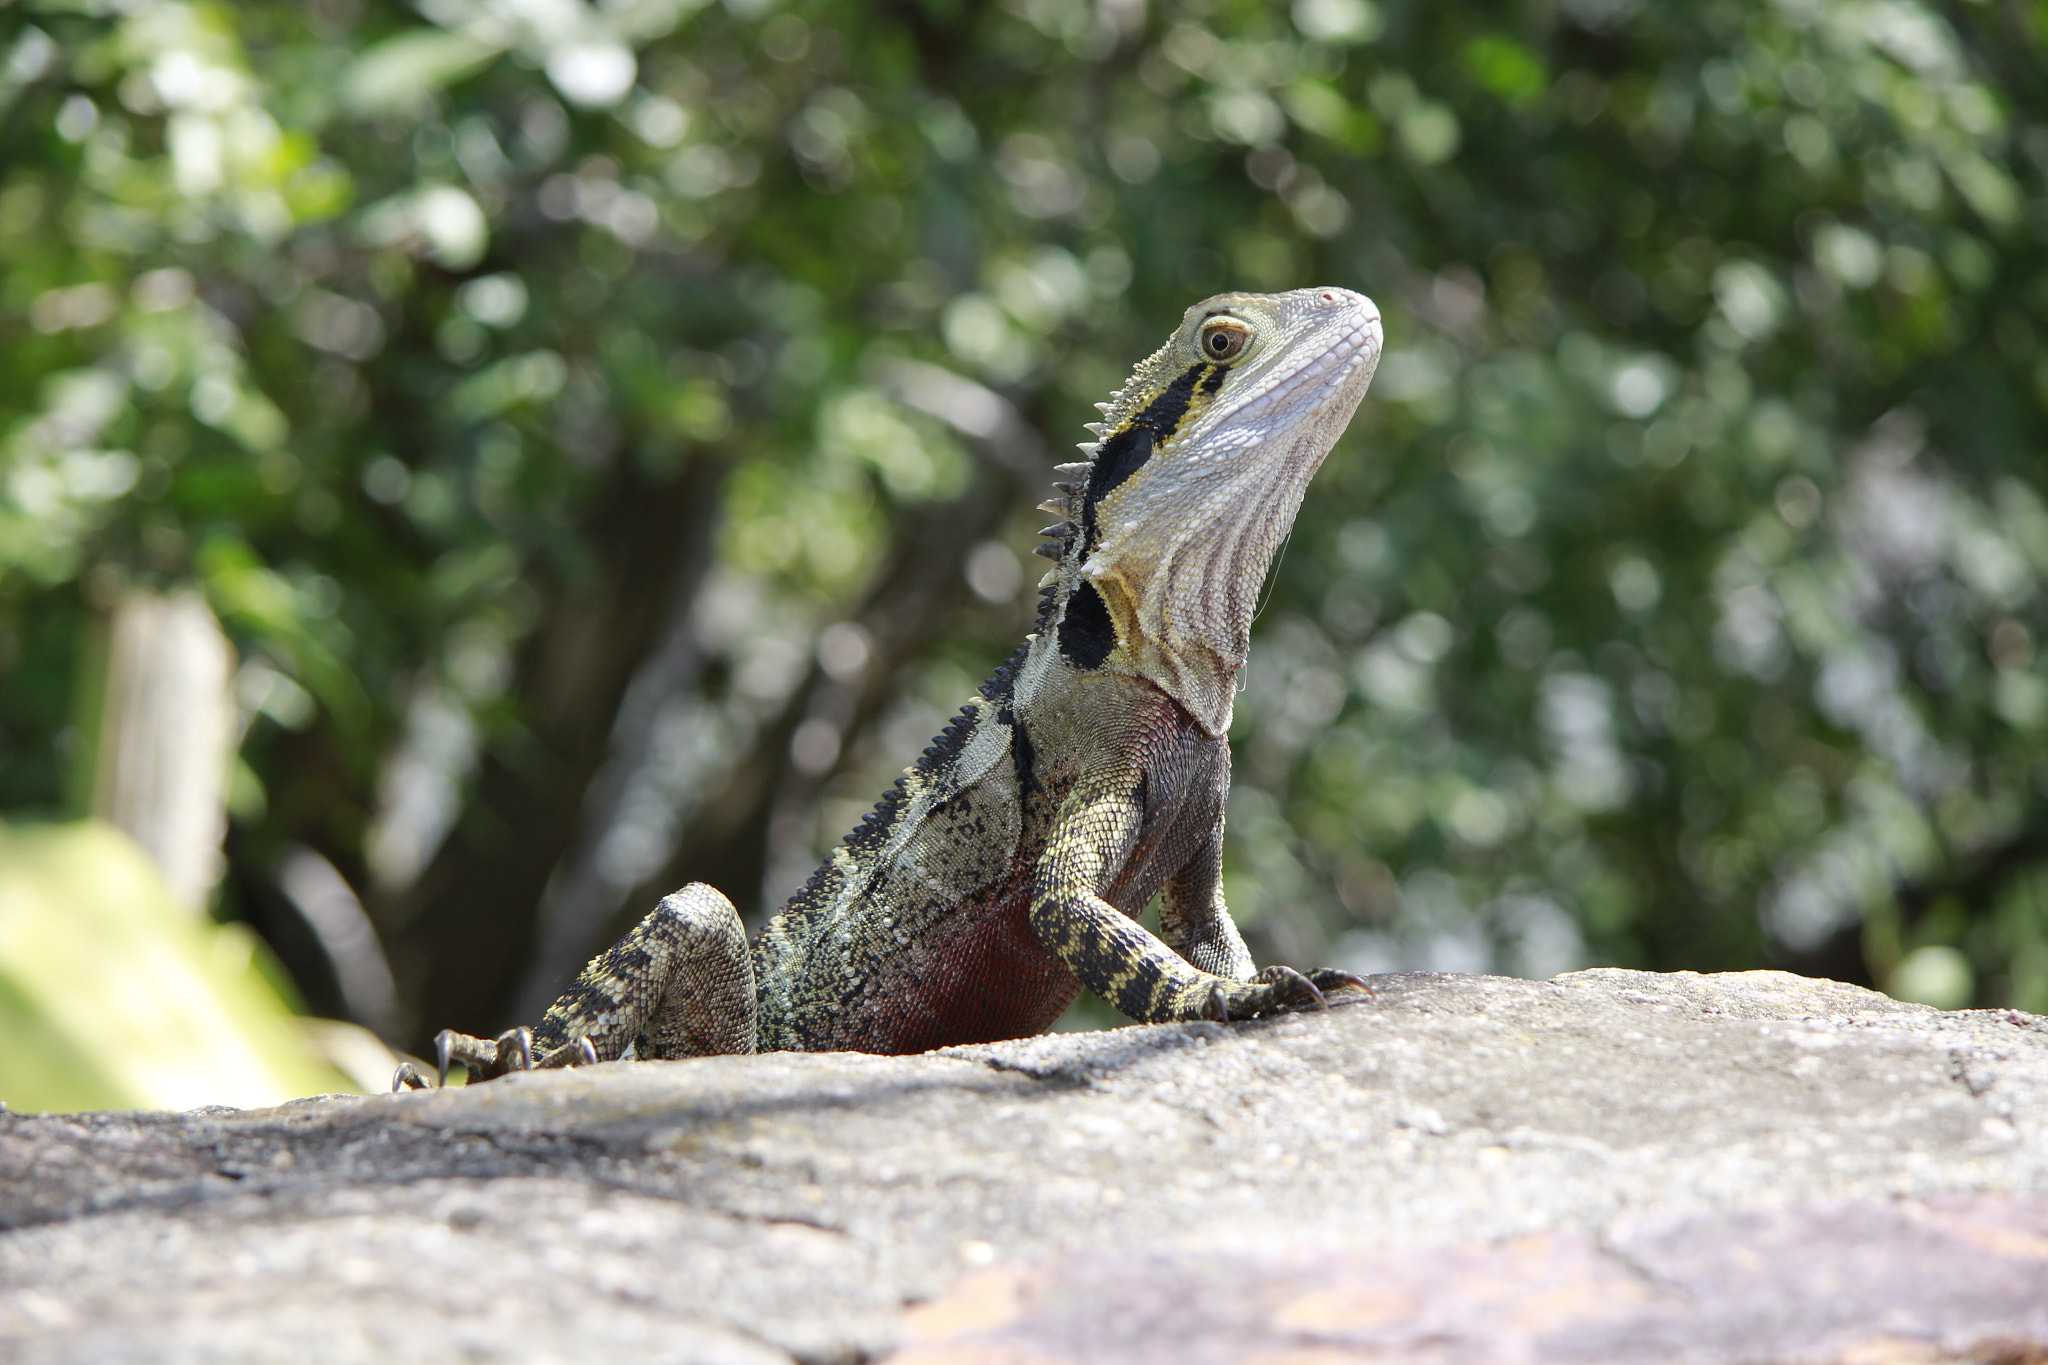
(1002, 874)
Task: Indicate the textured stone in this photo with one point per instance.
(1609, 1166)
(1949, 1278)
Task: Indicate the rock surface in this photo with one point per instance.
(1612, 1166)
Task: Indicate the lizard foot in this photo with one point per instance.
(487, 1059)
(1280, 990)
(482, 1058)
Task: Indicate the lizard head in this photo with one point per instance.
(1203, 458)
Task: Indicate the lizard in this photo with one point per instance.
(1004, 871)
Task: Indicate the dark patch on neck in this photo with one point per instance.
(1022, 756)
(1087, 635)
(1125, 453)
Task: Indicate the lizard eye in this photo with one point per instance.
(1224, 338)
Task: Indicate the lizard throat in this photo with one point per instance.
(1182, 603)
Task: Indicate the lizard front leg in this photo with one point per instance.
(1193, 919)
(1116, 957)
(1196, 923)
(680, 985)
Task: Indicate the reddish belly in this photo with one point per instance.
(982, 977)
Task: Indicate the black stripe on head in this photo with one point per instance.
(1123, 454)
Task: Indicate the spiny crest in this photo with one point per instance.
(1154, 382)
(1154, 398)
(1073, 479)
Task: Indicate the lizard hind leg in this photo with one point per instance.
(683, 979)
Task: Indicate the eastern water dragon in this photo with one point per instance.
(1003, 873)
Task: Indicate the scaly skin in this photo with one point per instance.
(1002, 875)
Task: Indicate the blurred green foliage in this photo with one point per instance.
(607, 431)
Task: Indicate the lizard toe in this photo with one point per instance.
(515, 1050)
(1291, 990)
(576, 1052)
(479, 1056)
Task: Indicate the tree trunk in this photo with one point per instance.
(167, 737)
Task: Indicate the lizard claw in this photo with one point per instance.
(1331, 979)
(407, 1077)
(444, 1049)
(586, 1053)
(1296, 984)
